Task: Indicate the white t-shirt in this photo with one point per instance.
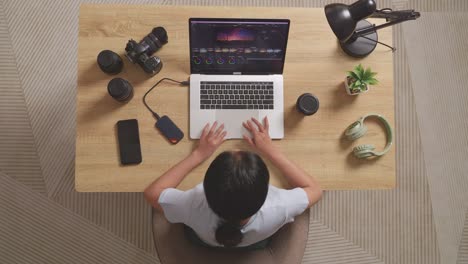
(191, 208)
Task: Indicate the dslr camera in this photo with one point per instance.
(141, 52)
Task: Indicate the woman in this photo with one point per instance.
(235, 206)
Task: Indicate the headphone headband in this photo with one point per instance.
(388, 130)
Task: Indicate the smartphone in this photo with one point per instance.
(129, 141)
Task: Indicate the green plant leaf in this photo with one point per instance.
(359, 70)
(367, 74)
(353, 75)
(359, 67)
(372, 75)
(372, 81)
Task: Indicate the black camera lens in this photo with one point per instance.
(155, 40)
(120, 89)
(109, 62)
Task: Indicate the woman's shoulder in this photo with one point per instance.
(278, 197)
(274, 197)
(276, 193)
(198, 195)
(194, 196)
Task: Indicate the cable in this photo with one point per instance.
(184, 83)
(392, 48)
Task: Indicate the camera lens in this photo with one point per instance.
(120, 89)
(109, 62)
(155, 40)
(161, 34)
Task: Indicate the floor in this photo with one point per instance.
(424, 220)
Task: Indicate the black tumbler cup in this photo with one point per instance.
(307, 104)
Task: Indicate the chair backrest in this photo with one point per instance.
(287, 245)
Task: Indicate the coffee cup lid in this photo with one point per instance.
(308, 104)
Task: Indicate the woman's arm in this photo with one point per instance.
(210, 140)
(295, 176)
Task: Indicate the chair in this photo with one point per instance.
(287, 245)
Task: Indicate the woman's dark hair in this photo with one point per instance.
(236, 186)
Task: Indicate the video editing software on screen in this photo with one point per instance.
(238, 46)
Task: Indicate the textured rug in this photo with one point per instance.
(45, 232)
(463, 248)
(18, 154)
(438, 57)
(37, 129)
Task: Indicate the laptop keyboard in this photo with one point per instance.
(236, 95)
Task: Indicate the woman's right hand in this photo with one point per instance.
(260, 140)
(211, 138)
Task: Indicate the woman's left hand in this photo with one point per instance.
(211, 138)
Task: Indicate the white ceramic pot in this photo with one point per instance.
(348, 90)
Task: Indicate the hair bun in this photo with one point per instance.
(228, 234)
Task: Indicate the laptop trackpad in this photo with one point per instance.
(232, 120)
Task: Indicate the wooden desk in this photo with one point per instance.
(314, 63)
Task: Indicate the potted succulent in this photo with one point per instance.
(359, 80)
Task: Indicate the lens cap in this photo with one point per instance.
(307, 104)
(109, 62)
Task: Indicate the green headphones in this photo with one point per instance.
(358, 129)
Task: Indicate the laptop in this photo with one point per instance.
(236, 68)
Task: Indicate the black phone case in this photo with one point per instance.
(129, 141)
(169, 130)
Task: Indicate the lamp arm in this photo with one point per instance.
(390, 14)
(392, 17)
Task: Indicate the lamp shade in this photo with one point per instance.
(344, 18)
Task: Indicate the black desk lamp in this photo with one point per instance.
(357, 36)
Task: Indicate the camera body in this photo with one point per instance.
(141, 52)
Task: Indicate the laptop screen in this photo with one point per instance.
(238, 46)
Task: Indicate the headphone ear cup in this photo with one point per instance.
(364, 151)
(356, 130)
